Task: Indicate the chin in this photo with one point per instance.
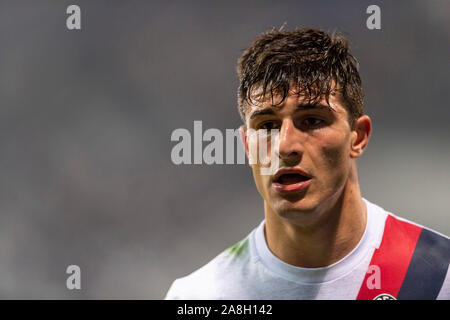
(298, 212)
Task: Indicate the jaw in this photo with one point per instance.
(306, 209)
(284, 212)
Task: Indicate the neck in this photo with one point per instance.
(336, 232)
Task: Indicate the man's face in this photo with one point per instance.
(314, 155)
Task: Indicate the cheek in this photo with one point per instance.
(334, 154)
(260, 149)
(259, 179)
(332, 169)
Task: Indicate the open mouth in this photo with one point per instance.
(290, 176)
(291, 180)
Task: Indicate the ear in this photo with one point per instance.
(360, 136)
(243, 134)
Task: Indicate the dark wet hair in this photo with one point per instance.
(310, 59)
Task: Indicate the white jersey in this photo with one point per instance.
(395, 259)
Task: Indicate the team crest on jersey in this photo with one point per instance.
(384, 296)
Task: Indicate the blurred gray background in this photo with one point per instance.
(86, 119)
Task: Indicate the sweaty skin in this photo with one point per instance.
(319, 225)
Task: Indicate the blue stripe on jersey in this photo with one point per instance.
(427, 268)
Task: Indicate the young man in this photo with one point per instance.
(320, 239)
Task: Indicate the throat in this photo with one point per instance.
(320, 246)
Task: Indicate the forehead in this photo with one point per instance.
(294, 100)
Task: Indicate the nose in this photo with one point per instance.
(290, 148)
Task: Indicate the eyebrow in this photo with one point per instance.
(319, 106)
(262, 112)
(308, 106)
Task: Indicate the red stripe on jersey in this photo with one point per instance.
(390, 261)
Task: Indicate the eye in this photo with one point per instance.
(268, 125)
(312, 122)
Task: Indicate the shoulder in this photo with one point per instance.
(414, 260)
(424, 240)
(426, 275)
(399, 232)
(214, 279)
